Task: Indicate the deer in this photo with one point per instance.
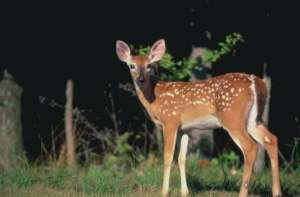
(234, 101)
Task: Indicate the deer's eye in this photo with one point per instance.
(132, 66)
(150, 66)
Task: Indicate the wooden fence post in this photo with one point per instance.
(70, 136)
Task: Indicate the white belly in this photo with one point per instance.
(206, 122)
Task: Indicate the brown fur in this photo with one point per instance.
(261, 91)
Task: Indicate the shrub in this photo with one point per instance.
(183, 69)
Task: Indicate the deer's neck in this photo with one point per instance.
(146, 93)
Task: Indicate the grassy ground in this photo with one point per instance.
(113, 179)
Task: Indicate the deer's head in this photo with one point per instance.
(141, 67)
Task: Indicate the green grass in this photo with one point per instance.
(142, 180)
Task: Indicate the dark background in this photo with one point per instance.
(44, 44)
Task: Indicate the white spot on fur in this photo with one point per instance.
(197, 102)
(167, 94)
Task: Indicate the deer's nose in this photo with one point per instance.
(141, 77)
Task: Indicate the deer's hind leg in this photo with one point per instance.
(249, 150)
(269, 142)
(235, 122)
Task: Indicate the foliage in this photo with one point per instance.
(225, 47)
(183, 69)
(123, 154)
(228, 159)
(295, 154)
(295, 151)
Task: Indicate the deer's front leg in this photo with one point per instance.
(170, 133)
(181, 163)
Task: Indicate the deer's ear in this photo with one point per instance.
(157, 51)
(123, 51)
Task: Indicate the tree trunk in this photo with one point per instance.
(70, 136)
(11, 141)
(202, 141)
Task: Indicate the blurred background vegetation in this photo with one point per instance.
(120, 159)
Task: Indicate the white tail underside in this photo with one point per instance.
(251, 125)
